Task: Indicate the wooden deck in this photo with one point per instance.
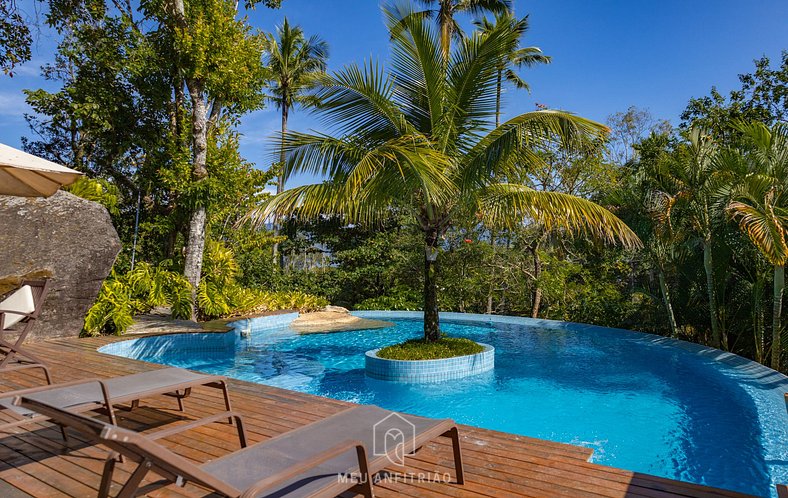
(33, 461)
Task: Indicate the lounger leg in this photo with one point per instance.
(363, 467)
(241, 430)
(106, 476)
(180, 397)
(226, 394)
(63, 434)
(135, 404)
(129, 489)
(47, 374)
(454, 434)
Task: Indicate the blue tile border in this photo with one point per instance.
(421, 371)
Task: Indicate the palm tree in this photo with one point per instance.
(445, 10)
(294, 62)
(515, 58)
(692, 186)
(760, 206)
(418, 142)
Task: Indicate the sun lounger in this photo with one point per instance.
(316, 460)
(86, 395)
(18, 313)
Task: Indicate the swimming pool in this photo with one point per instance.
(642, 402)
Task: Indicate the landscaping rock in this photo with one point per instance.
(65, 238)
(334, 321)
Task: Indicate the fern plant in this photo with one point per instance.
(218, 295)
(137, 291)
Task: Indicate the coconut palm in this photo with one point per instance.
(293, 62)
(760, 207)
(515, 58)
(445, 10)
(418, 142)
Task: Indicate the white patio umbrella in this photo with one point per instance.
(27, 175)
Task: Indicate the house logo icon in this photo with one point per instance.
(393, 437)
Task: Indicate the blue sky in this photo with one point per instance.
(607, 55)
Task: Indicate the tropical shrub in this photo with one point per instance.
(137, 291)
(123, 296)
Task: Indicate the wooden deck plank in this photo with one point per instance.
(33, 461)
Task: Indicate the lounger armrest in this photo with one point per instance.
(32, 390)
(104, 391)
(15, 312)
(333, 452)
(194, 424)
(782, 491)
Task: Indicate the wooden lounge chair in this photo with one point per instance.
(20, 310)
(86, 395)
(324, 458)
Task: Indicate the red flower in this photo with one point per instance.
(468, 241)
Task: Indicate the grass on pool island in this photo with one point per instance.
(419, 349)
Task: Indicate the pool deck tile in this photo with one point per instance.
(33, 463)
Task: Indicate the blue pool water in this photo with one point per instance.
(640, 402)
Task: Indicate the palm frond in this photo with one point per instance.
(519, 138)
(504, 202)
(418, 68)
(765, 230)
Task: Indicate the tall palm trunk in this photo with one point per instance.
(758, 319)
(280, 181)
(431, 319)
(663, 288)
(779, 286)
(446, 22)
(192, 267)
(716, 340)
(537, 292)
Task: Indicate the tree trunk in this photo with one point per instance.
(431, 319)
(280, 181)
(491, 276)
(192, 267)
(663, 287)
(779, 286)
(445, 42)
(759, 325)
(537, 293)
(716, 339)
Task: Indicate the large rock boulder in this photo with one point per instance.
(65, 238)
(334, 319)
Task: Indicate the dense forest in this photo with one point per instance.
(149, 102)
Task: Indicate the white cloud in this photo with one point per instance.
(13, 105)
(29, 69)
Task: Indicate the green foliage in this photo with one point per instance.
(97, 190)
(419, 349)
(15, 38)
(137, 291)
(398, 298)
(114, 309)
(220, 294)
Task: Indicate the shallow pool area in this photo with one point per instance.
(642, 402)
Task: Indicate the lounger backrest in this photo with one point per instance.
(131, 444)
(27, 300)
(40, 289)
(21, 301)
